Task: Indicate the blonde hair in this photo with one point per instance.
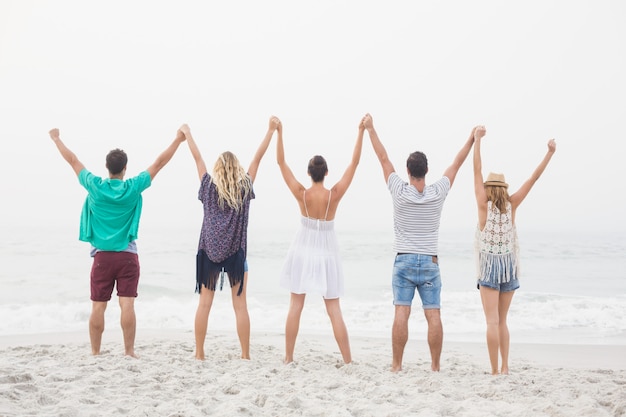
(232, 183)
(498, 195)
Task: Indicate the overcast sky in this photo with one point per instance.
(128, 73)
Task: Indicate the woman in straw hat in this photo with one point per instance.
(497, 248)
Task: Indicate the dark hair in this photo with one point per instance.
(417, 164)
(317, 168)
(116, 161)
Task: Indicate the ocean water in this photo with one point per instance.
(573, 287)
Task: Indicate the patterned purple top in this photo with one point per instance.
(224, 231)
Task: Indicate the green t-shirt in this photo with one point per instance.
(110, 216)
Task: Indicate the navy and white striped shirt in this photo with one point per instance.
(416, 215)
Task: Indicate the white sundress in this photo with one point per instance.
(313, 265)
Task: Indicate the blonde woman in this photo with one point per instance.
(225, 195)
(497, 248)
(313, 265)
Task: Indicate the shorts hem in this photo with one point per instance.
(100, 301)
(501, 287)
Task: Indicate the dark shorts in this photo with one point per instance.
(209, 274)
(110, 268)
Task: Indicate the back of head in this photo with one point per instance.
(496, 189)
(116, 161)
(231, 181)
(317, 168)
(417, 164)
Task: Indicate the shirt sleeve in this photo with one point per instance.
(394, 184)
(86, 178)
(205, 182)
(252, 195)
(443, 185)
(144, 180)
(139, 183)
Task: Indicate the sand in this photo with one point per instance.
(55, 375)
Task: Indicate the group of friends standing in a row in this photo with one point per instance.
(111, 213)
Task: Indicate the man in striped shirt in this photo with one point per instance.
(416, 214)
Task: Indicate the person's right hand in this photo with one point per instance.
(367, 121)
(479, 132)
(362, 124)
(552, 145)
(275, 123)
(184, 129)
(180, 136)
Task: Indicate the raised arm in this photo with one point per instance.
(459, 159)
(342, 185)
(68, 155)
(166, 155)
(479, 187)
(294, 186)
(256, 161)
(195, 151)
(379, 149)
(520, 195)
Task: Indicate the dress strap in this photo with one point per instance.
(328, 205)
(304, 200)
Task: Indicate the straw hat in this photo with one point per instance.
(496, 180)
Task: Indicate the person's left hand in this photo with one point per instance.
(54, 133)
(275, 123)
(479, 132)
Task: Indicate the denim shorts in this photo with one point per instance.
(493, 283)
(416, 272)
(512, 285)
(492, 277)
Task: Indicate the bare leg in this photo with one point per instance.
(96, 325)
(128, 321)
(435, 336)
(490, 297)
(293, 325)
(242, 317)
(503, 329)
(399, 336)
(202, 319)
(339, 328)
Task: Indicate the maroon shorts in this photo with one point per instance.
(111, 267)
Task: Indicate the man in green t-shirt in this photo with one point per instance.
(110, 221)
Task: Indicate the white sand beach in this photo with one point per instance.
(55, 375)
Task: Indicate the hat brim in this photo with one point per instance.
(496, 184)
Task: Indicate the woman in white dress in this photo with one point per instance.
(313, 265)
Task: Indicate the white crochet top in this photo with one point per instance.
(496, 245)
